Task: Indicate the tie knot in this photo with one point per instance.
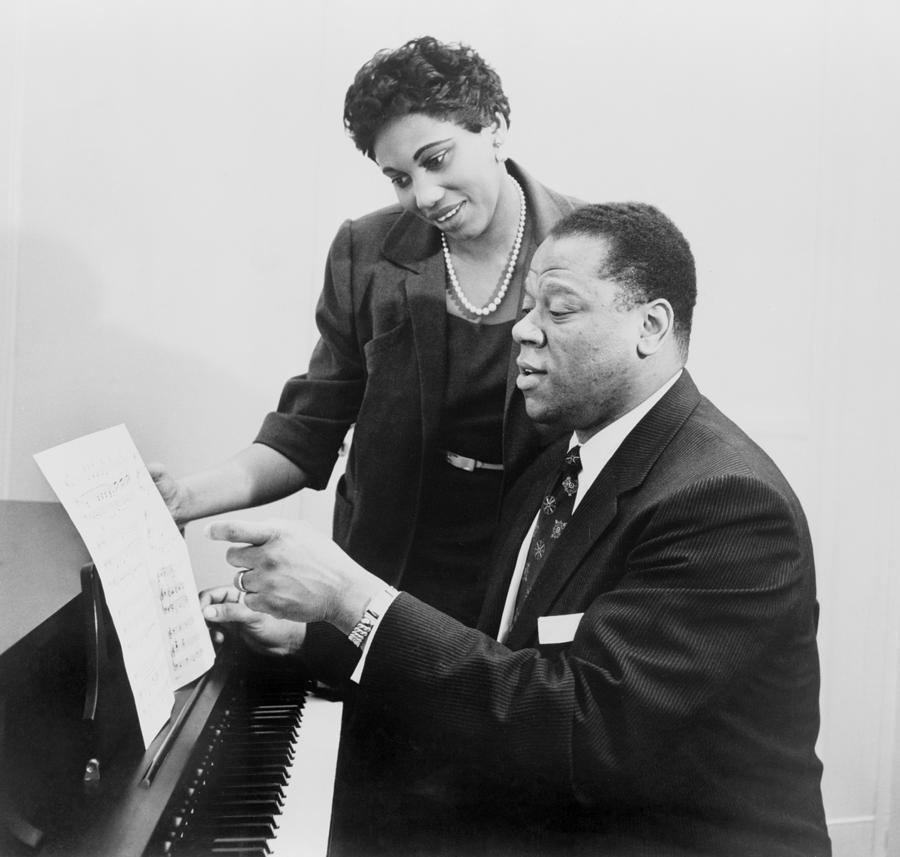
(572, 461)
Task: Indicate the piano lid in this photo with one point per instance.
(40, 554)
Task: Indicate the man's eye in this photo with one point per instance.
(399, 181)
(559, 310)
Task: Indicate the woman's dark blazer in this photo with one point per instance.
(381, 364)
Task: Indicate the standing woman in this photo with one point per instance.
(415, 348)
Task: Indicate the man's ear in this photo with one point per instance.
(658, 325)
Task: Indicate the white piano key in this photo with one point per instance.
(305, 822)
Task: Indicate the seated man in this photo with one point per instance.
(644, 678)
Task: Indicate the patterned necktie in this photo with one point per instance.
(556, 509)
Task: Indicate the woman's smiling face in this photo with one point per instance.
(443, 173)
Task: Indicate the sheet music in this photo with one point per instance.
(143, 563)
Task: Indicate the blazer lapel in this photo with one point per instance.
(410, 241)
(626, 470)
(426, 301)
(413, 245)
(545, 208)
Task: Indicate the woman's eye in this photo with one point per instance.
(436, 160)
(399, 181)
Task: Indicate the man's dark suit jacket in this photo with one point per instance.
(682, 717)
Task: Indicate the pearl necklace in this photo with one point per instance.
(500, 293)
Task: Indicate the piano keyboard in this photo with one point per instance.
(261, 777)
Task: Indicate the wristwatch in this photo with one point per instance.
(375, 609)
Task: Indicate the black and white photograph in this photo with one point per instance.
(449, 430)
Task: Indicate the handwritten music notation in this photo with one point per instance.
(143, 563)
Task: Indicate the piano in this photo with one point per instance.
(245, 765)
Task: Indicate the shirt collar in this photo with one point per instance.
(598, 450)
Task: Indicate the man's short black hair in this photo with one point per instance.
(648, 256)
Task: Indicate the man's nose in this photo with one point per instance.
(526, 332)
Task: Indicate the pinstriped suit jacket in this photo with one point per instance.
(682, 717)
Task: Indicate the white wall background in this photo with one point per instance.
(171, 174)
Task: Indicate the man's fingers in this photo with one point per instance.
(244, 556)
(228, 611)
(217, 595)
(242, 532)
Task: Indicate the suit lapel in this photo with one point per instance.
(587, 525)
(626, 470)
(518, 513)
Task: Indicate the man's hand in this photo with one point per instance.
(291, 571)
(224, 607)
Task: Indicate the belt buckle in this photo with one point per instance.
(460, 461)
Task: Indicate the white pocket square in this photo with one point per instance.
(553, 630)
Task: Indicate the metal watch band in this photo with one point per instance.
(374, 611)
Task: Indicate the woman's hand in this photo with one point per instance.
(224, 607)
(172, 491)
(291, 571)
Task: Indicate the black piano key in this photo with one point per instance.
(260, 851)
(250, 773)
(268, 743)
(250, 787)
(247, 804)
(228, 843)
(236, 827)
(235, 817)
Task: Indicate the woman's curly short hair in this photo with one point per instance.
(441, 80)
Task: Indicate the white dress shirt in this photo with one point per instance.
(595, 453)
